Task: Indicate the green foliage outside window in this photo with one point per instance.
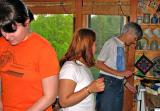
(58, 29)
(105, 27)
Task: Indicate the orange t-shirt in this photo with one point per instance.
(22, 68)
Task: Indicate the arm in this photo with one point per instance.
(104, 67)
(68, 97)
(50, 86)
(1, 106)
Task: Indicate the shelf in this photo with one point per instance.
(150, 25)
(149, 53)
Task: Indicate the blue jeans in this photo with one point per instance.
(111, 99)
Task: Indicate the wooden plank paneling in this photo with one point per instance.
(52, 10)
(105, 7)
(109, 10)
(56, 7)
(106, 0)
(46, 0)
(110, 7)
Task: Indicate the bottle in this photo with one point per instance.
(138, 45)
(154, 45)
(139, 20)
(146, 18)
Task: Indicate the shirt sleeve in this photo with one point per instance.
(48, 62)
(105, 51)
(68, 71)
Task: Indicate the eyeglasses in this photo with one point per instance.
(8, 28)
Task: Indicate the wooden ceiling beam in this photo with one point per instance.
(52, 10)
(45, 0)
(48, 7)
(111, 7)
(105, 0)
(109, 11)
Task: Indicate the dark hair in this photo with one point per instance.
(137, 30)
(81, 47)
(12, 12)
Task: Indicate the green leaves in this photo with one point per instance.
(58, 29)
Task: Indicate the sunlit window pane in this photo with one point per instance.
(105, 26)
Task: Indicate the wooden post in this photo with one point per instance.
(78, 14)
(130, 54)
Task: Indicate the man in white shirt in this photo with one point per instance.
(111, 62)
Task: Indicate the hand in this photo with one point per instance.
(126, 74)
(97, 85)
(130, 87)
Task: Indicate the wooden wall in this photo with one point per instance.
(111, 7)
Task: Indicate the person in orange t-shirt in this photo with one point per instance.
(28, 64)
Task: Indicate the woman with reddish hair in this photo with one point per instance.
(76, 81)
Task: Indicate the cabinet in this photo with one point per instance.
(150, 43)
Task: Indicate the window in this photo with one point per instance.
(57, 28)
(105, 26)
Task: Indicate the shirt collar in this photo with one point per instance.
(80, 63)
(121, 42)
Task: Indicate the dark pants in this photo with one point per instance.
(111, 99)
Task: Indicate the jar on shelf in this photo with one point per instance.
(154, 45)
(138, 45)
(148, 33)
(154, 19)
(156, 32)
(144, 44)
(146, 18)
(139, 20)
